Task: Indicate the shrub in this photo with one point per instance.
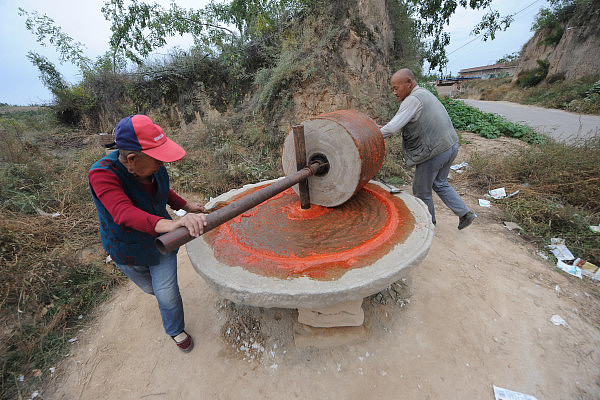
(556, 77)
(533, 77)
(45, 284)
(552, 35)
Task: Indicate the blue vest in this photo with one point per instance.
(126, 245)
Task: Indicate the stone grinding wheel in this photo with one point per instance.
(271, 259)
(352, 144)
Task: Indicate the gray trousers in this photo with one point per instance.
(433, 175)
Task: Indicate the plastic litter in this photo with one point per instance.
(588, 269)
(560, 251)
(499, 193)
(558, 320)
(485, 203)
(505, 394)
(595, 228)
(569, 269)
(459, 167)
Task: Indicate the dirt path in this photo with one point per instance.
(478, 314)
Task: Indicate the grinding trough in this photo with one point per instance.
(241, 285)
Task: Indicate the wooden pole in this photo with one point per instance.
(170, 241)
(300, 145)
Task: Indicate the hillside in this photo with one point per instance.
(559, 67)
(569, 43)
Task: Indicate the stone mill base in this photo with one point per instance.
(337, 325)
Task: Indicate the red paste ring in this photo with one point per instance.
(279, 239)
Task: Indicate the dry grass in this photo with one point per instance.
(45, 282)
(559, 191)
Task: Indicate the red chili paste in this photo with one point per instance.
(277, 238)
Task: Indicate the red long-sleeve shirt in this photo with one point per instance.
(109, 190)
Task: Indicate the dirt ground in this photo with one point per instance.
(476, 313)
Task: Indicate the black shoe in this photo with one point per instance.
(466, 220)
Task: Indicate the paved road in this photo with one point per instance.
(560, 125)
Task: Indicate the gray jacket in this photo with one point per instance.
(431, 134)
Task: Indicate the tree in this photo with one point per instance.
(139, 28)
(46, 29)
(508, 58)
(49, 75)
(434, 15)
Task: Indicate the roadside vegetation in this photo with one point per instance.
(487, 125)
(50, 278)
(581, 96)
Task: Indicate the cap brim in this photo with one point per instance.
(169, 151)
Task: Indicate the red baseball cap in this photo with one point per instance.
(140, 133)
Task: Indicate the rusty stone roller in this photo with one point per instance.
(353, 146)
(337, 153)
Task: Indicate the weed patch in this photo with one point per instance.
(533, 77)
(559, 192)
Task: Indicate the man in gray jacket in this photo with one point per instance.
(429, 141)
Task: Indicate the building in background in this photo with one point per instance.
(489, 71)
(449, 87)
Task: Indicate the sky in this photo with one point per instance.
(83, 21)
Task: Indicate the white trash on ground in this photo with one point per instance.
(458, 167)
(485, 203)
(505, 394)
(588, 269)
(499, 193)
(558, 320)
(569, 269)
(560, 251)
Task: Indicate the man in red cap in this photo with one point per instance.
(130, 188)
